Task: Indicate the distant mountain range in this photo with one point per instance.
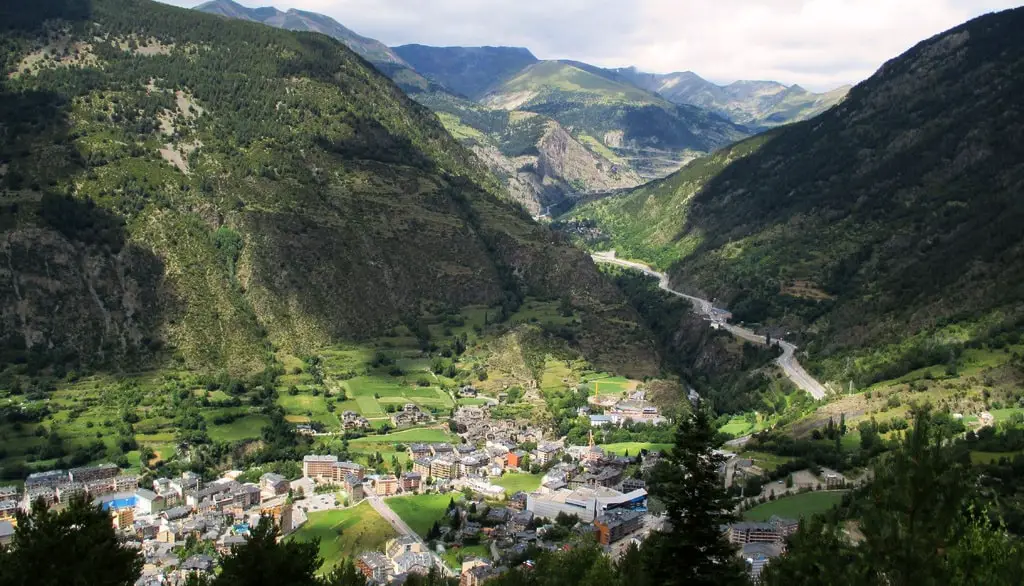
(554, 130)
(753, 103)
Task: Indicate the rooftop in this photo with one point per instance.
(618, 517)
(375, 560)
(143, 493)
(318, 458)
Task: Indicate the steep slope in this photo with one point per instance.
(537, 175)
(753, 103)
(540, 162)
(891, 225)
(469, 71)
(177, 186)
(653, 135)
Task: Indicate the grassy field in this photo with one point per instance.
(454, 556)
(248, 427)
(513, 483)
(345, 533)
(991, 457)
(737, 426)
(407, 436)
(422, 510)
(796, 506)
(1004, 414)
(767, 462)
(602, 384)
(633, 448)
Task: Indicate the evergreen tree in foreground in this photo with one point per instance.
(74, 547)
(918, 523)
(694, 550)
(263, 561)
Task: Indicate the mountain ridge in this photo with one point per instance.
(301, 20)
(911, 182)
(537, 175)
(758, 103)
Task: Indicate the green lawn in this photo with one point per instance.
(991, 457)
(633, 448)
(345, 533)
(454, 556)
(767, 462)
(513, 483)
(422, 510)
(737, 426)
(1003, 414)
(796, 506)
(610, 385)
(419, 435)
(248, 427)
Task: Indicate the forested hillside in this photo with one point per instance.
(891, 225)
(533, 157)
(178, 187)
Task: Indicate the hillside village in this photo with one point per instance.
(184, 524)
(280, 299)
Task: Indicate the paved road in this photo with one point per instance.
(787, 361)
(391, 517)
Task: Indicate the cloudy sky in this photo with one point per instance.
(817, 43)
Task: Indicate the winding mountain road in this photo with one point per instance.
(787, 360)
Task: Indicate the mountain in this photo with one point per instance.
(299, 20)
(188, 190)
(653, 135)
(541, 163)
(469, 71)
(552, 169)
(889, 228)
(752, 103)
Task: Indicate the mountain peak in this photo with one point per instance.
(469, 71)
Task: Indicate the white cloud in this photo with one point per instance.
(817, 43)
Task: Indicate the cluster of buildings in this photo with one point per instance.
(161, 518)
(173, 510)
(352, 477)
(60, 486)
(445, 462)
(760, 542)
(350, 420)
(635, 409)
(410, 414)
(475, 426)
(401, 556)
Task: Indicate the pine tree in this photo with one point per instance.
(916, 497)
(262, 560)
(918, 527)
(817, 550)
(694, 551)
(75, 546)
(346, 574)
